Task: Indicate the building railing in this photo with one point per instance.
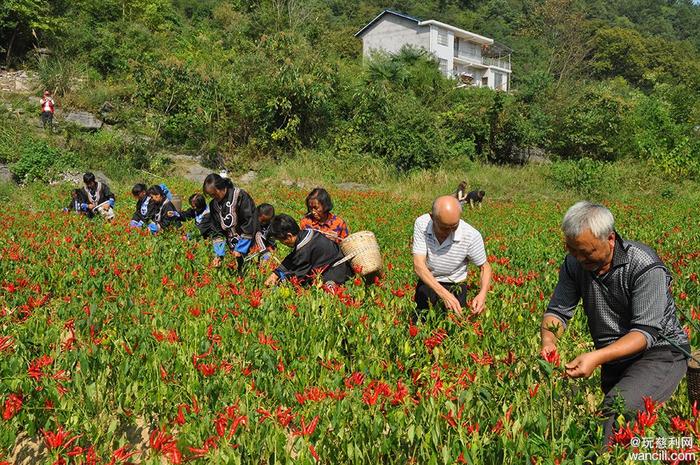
(499, 62)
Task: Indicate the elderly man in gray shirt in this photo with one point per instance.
(624, 285)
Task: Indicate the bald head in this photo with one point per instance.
(447, 210)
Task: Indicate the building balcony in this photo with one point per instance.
(483, 62)
(503, 62)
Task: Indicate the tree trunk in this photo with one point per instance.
(8, 55)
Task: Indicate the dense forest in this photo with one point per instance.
(243, 82)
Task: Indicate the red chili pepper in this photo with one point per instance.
(13, 404)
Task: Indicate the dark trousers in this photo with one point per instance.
(655, 373)
(46, 118)
(426, 297)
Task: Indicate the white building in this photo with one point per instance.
(473, 59)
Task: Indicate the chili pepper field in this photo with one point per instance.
(105, 331)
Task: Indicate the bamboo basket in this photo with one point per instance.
(693, 378)
(362, 249)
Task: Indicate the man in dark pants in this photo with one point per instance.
(443, 247)
(631, 314)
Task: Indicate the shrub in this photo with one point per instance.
(683, 160)
(40, 162)
(585, 176)
(670, 146)
(408, 137)
(59, 74)
(593, 122)
(467, 119)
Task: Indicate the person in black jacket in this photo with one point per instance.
(233, 219)
(144, 207)
(313, 255)
(100, 199)
(165, 214)
(475, 198)
(78, 202)
(200, 213)
(266, 213)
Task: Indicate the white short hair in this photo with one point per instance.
(586, 215)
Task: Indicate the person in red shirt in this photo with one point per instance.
(319, 217)
(47, 109)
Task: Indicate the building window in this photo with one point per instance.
(443, 66)
(442, 37)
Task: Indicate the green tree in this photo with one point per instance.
(23, 20)
(561, 26)
(620, 52)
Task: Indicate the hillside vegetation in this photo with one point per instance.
(247, 83)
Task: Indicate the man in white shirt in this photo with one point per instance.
(443, 247)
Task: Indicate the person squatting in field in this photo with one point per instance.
(443, 247)
(99, 198)
(319, 217)
(266, 213)
(625, 288)
(165, 215)
(233, 219)
(312, 255)
(145, 209)
(472, 198)
(200, 213)
(77, 203)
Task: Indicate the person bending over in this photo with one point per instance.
(624, 286)
(233, 219)
(166, 215)
(313, 255)
(475, 198)
(199, 212)
(319, 217)
(443, 247)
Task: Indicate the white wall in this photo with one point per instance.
(391, 33)
(443, 52)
